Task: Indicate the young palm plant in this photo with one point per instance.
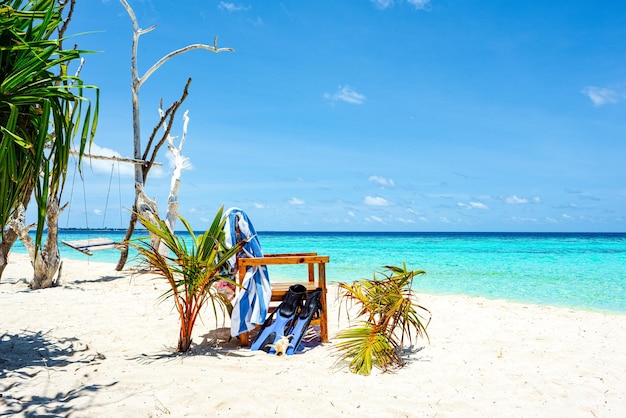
(191, 270)
(388, 317)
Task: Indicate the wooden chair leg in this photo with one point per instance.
(324, 319)
(321, 274)
(244, 339)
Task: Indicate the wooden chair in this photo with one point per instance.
(279, 289)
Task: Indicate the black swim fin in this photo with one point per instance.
(285, 314)
(312, 305)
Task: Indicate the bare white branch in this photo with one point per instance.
(150, 29)
(141, 172)
(172, 54)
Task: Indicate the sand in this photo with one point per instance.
(101, 345)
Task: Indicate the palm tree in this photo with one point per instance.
(191, 271)
(390, 316)
(42, 109)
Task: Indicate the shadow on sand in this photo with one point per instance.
(215, 343)
(219, 344)
(103, 279)
(24, 356)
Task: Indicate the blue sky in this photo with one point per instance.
(405, 115)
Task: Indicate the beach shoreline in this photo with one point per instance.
(102, 344)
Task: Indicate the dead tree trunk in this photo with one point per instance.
(142, 201)
(180, 164)
(141, 172)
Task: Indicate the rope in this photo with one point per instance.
(69, 205)
(85, 203)
(106, 204)
(119, 191)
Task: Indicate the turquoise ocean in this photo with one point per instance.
(574, 270)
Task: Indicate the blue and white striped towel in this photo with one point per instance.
(251, 304)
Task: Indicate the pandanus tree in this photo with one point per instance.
(42, 109)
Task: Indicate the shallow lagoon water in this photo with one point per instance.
(583, 271)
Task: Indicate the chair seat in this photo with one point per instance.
(280, 289)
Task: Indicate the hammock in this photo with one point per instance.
(86, 246)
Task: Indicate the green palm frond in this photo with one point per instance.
(190, 270)
(389, 318)
(42, 108)
(364, 346)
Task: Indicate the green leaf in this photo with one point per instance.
(40, 106)
(193, 269)
(389, 317)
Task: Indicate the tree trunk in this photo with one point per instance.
(8, 239)
(184, 342)
(129, 233)
(47, 265)
(180, 164)
(145, 207)
(46, 261)
(186, 328)
(141, 171)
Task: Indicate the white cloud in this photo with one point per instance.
(350, 213)
(478, 205)
(104, 166)
(256, 22)
(385, 4)
(472, 205)
(518, 219)
(258, 205)
(374, 219)
(405, 221)
(601, 95)
(346, 94)
(332, 220)
(375, 201)
(516, 200)
(419, 4)
(382, 181)
(296, 201)
(97, 212)
(382, 4)
(232, 7)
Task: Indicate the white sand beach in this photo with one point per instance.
(101, 345)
